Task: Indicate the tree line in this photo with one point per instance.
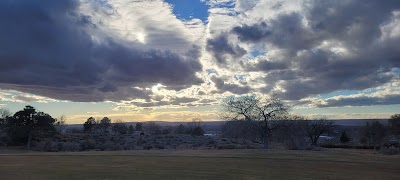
(265, 119)
(247, 117)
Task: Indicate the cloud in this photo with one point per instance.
(228, 87)
(171, 101)
(361, 100)
(53, 49)
(221, 49)
(386, 95)
(322, 47)
(17, 97)
(138, 51)
(252, 33)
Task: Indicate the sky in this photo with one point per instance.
(174, 60)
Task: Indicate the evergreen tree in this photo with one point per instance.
(344, 138)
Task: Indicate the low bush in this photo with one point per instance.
(346, 146)
(230, 146)
(4, 138)
(389, 150)
(71, 146)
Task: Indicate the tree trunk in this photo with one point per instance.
(264, 136)
(266, 142)
(314, 141)
(29, 140)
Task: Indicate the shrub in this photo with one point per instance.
(71, 146)
(88, 144)
(389, 150)
(346, 146)
(147, 147)
(230, 146)
(293, 134)
(4, 138)
(47, 145)
(159, 146)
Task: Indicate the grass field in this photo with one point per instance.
(200, 164)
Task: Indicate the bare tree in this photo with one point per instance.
(61, 123)
(292, 132)
(196, 122)
(152, 128)
(316, 128)
(258, 112)
(374, 133)
(4, 113)
(394, 124)
(119, 127)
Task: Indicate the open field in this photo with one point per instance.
(200, 164)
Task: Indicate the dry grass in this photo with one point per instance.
(200, 164)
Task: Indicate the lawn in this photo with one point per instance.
(200, 164)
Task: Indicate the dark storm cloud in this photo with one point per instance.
(45, 49)
(324, 72)
(221, 48)
(227, 87)
(252, 33)
(286, 32)
(305, 67)
(361, 101)
(268, 66)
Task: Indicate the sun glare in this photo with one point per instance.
(141, 37)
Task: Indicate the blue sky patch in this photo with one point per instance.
(338, 93)
(211, 71)
(256, 53)
(240, 77)
(189, 9)
(344, 93)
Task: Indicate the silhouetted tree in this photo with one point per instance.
(344, 138)
(394, 124)
(152, 128)
(131, 129)
(292, 132)
(316, 128)
(61, 122)
(194, 127)
(89, 125)
(240, 129)
(257, 111)
(119, 127)
(197, 131)
(104, 124)
(4, 113)
(4, 137)
(138, 126)
(181, 129)
(196, 122)
(27, 124)
(374, 133)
